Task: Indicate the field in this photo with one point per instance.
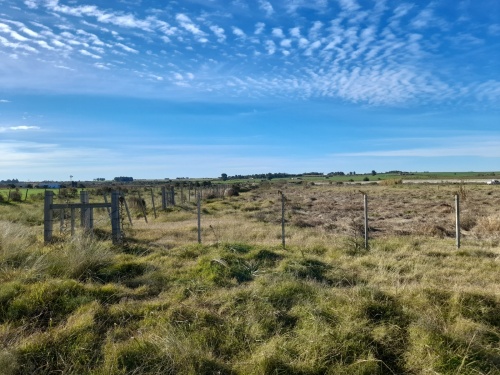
(240, 303)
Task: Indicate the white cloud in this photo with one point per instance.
(119, 19)
(266, 7)
(187, 24)
(259, 28)
(286, 43)
(295, 32)
(87, 53)
(31, 4)
(472, 147)
(349, 5)
(101, 66)
(303, 42)
(30, 32)
(278, 33)
(219, 33)
(270, 47)
(126, 48)
(4, 101)
(238, 32)
(18, 128)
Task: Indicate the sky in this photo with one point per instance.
(197, 88)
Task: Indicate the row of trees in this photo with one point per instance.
(269, 176)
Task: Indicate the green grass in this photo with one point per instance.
(241, 304)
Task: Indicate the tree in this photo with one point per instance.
(374, 173)
(224, 176)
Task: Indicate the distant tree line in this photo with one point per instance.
(123, 179)
(270, 176)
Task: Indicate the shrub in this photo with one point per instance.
(391, 182)
(16, 196)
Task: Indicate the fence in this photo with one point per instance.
(86, 214)
(170, 197)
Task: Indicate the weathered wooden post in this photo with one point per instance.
(282, 219)
(26, 196)
(72, 221)
(61, 220)
(163, 198)
(47, 216)
(172, 196)
(85, 211)
(457, 220)
(365, 200)
(143, 209)
(126, 208)
(199, 216)
(153, 200)
(115, 217)
(106, 201)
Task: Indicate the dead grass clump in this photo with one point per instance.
(391, 182)
(433, 229)
(468, 221)
(488, 225)
(462, 192)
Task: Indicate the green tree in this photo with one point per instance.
(224, 176)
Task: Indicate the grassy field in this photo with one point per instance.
(239, 303)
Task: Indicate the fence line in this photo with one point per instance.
(87, 218)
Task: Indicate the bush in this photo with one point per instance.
(15, 196)
(391, 182)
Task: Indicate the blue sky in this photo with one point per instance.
(156, 89)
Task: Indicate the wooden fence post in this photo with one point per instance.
(199, 217)
(153, 200)
(172, 196)
(457, 220)
(85, 211)
(72, 221)
(163, 198)
(47, 216)
(283, 219)
(143, 209)
(106, 201)
(115, 217)
(126, 208)
(365, 201)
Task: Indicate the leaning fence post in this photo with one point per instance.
(365, 201)
(126, 208)
(199, 217)
(457, 220)
(47, 216)
(115, 217)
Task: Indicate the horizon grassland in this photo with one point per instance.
(240, 302)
